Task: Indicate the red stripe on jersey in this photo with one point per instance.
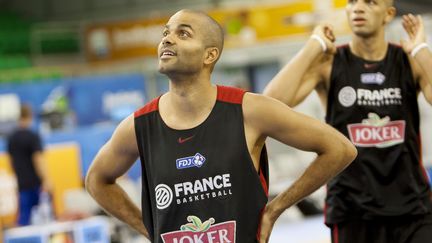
(342, 45)
(149, 107)
(395, 44)
(263, 182)
(335, 230)
(230, 94)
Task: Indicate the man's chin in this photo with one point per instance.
(163, 70)
(362, 33)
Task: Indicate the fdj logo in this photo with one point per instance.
(192, 161)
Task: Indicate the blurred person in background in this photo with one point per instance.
(25, 151)
(204, 163)
(369, 89)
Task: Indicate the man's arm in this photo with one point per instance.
(299, 77)
(421, 59)
(424, 58)
(111, 162)
(41, 168)
(264, 117)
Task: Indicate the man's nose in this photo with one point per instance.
(167, 40)
(358, 7)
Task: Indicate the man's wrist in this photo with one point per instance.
(418, 48)
(320, 40)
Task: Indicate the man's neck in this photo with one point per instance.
(370, 48)
(24, 123)
(189, 101)
(189, 96)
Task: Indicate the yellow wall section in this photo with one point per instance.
(7, 220)
(339, 3)
(63, 169)
(269, 21)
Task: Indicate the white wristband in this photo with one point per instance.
(418, 48)
(320, 40)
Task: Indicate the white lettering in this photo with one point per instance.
(183, 239)
(178, 188)
(188, 188)
(202, 186)
(220, 236)
(184, 162)
(395, 133)
(210, 236)
(217, 184)
(386, 133)
(223, 236)
(379, 95)
(198, 239)
(226, 181)
(208, 184)
(175, 240)
(377, 134)
(198, 186)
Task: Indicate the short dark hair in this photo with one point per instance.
(25, 111)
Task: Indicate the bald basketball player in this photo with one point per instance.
(201, 146)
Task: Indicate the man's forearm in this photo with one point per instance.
(322, 169)
(424, 60)
(116, 202)
(285, 84)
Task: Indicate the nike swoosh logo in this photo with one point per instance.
(369, 66)
(183, 140)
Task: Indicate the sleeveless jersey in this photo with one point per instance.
(199, 184)
(375, 105)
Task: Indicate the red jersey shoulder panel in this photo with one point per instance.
(148, 108)
(230, 94)
(345, 45)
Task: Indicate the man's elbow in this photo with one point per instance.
(270, 92)
(349, 152)
(278, 95)
(90, 182)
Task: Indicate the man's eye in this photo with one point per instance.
(184, 34)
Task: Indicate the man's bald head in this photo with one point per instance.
(214, 35)
(390, 3)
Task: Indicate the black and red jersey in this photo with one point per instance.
(199, 184)
(375, 105)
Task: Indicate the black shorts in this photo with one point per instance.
(413, 229)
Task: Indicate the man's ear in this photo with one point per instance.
(391, 13)
(212, 54)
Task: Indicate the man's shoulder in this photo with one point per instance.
(230, 94)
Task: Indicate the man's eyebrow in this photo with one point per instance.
(185, 26)
(181, 26)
